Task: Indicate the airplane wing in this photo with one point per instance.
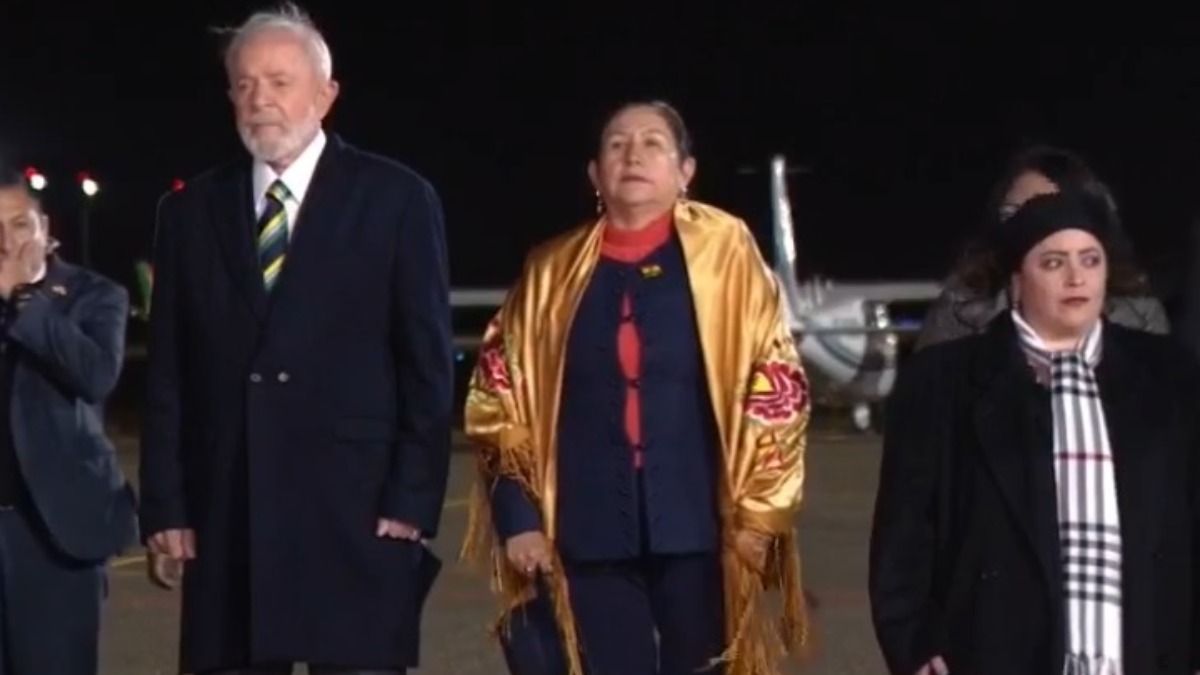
(476, 297)
(884, 291)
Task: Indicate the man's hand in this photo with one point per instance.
(166, 552)
(528, 552)
(395, 529)
(753, 547)
(936, 666)
(166, 573)
(23, 267)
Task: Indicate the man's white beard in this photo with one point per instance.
(290, 144)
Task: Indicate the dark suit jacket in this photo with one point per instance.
(280, 428)
(964, 559)
(69, 343)
(1187, 290)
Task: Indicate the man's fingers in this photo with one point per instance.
(164, 572)
(159, 540)
(936, 666)
(187, 543)
(165, 543)
(175, 544)
(388, 528)
(396, 530)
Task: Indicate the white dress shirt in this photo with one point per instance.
(296, 177)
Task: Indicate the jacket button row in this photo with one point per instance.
(282, 377)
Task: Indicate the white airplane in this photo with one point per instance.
(844, 330)
(845, 333)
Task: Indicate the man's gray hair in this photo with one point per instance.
(288, 17)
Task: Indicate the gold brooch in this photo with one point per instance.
(651, 271)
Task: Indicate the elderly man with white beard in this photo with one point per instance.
(296, 436)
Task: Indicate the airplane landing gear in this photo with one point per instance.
(860, 415)
(867, 417)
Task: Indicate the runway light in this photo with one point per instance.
(37, 180)
(89, 186)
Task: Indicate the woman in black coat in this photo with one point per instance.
(1037, 505)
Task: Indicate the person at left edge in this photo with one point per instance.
(297, 427)
(65, 505)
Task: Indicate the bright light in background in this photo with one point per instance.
(176, 185)
(88, 184)
(37, 180)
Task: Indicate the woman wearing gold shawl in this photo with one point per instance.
(640, 412)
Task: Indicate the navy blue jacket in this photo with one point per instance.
(68, 342)
(606, 511)
(282, 427)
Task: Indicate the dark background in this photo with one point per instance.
(905, 117)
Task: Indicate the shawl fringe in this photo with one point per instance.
(482, 547)
(759, 638)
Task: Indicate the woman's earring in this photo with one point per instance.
(599, 203)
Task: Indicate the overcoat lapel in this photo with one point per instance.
(1013, 425)
(319, 219)
(231, 209)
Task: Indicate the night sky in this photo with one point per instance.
(904, 118)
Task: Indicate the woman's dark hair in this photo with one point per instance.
(668, 113)
(979, 268)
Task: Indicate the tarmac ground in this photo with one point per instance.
(141, 622)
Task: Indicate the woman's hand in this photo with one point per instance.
(753, 547)
(528, 552)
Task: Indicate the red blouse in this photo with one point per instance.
(629, 247)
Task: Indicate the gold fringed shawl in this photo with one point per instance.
(760, 400)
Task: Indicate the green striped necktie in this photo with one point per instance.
(273, 234)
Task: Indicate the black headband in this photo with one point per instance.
(1041, 217)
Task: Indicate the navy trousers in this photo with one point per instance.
(620, 607)
(50, 605)
(652, 615)
(312, 670)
